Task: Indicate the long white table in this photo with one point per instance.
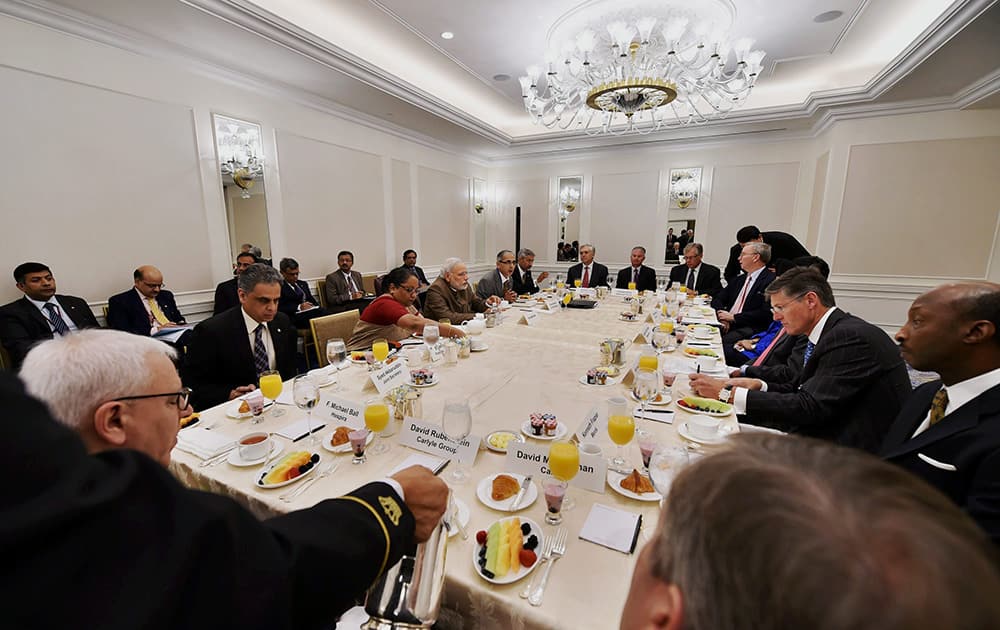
(526, 369)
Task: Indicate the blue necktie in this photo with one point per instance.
(809, 352)
(259, 351)
(56, 320)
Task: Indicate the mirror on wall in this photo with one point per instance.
(568, 233)
(240, 146)
(685, 188)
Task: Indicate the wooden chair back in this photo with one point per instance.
(331, 327)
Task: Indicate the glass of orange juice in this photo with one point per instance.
(631, 286)
(377, 419)
(578, 283)
(270, 387)
(621, 429)
(380, 350)
(564, 463)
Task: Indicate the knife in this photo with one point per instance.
(520, 494)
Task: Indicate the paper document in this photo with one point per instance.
(612, 528)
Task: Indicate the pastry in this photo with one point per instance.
(637, 483)
(551, 424)
(244, 407)
(504, 487)
(340, 436)
(189, 420)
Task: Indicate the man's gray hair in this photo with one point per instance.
(524, 252)
(502, 252)
(762, 249)
(592, 248)
(450, 264)
(256, 251)
(77, 373)
(695, 246)
(258, 273)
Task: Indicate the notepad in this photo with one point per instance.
(298, 430)
(612, 528)
(431, 463)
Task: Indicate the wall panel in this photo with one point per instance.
(443, 199)
(623, 211)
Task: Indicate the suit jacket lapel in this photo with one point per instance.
(276, 335)
(917, 407)
(810, 368)
(962, 419)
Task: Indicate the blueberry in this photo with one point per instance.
(482, 563)
(532, 542)
(482, 551)
(303, 468)
(314, 458)
(489, 574)
(525, 529)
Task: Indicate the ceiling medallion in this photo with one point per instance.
(656, 64)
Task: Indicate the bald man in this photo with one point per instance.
(948, 433)
(147, 307)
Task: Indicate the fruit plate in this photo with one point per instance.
(694, 353)
(615, 480)
(498, 441)
(346, 446)
(484, 492)
(512, 576)
(316, 459)
(705, 406)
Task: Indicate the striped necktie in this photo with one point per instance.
(56, 319)
(809, 352)
(260, 361)
(157, 312)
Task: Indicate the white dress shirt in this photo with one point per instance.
(62, 313)
(265, 336)
(961, 393)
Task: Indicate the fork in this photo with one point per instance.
(326, 472)
(558, 550)
(546, 555)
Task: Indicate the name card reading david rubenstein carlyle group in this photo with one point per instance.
(431, 438)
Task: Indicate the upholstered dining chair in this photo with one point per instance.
(331, 327)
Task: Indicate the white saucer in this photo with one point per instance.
(610, 381)
(233, 410)
(237, 460)
(685, 432)
(561, 430)
(663, 402)
(482, 348)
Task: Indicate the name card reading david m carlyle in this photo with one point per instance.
(340, 410)
(431, 438)
(528, 459)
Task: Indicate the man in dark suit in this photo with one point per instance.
(344, 287)
(226, 293)
(228, 352)
(742, 306)
(590, 273)
(145, 308)
(498, 282)
(41, 313)
(696, 275)
(852, 382)
(783, 247)
(949, 432)
(217, 564)
(410, 262)
(297, 300)
(644, 277)
(523, 283)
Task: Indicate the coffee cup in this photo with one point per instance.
(253, 446)
(705, 427)
(707, 364)
(478, 344)
(591, 448)
(474, 326)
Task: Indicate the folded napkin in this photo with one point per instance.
(203, 442)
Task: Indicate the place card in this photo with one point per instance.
(612, 528)
(629, 378)
(431, 438)
(531, 459)
(390, 377)
(624, 292)
(436, 353)
(644, 336)
(649, 319)
(341, 410)
(594, 425)
(551, 303)
(587, 293)
(528, 318)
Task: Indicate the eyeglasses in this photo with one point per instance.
(181, 401)
(410, 290)
(781, 307)
(507, 262)
(154, 286)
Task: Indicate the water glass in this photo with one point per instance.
(336, 353)
(432, 333)
(306, 397)
(664, 465)
(456, 419)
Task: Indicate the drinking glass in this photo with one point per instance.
(358, 439)
(564, 462)
(661, 284)
(555, 495)
(559, 279)
(662, 340)
(610, 282)
(456, 419)
(380, 350)
(306, 396)
(621, 428)
(578, 283)
(270, 386)
(432, 333)
(646, 386)
(647, 358)
(664, 464)
(647, 444)
(631, 286)
(336, 353)
(377, 419)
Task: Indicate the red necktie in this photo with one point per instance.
(586, 278)
(738, 306)
(767, 350)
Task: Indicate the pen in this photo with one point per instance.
(635, 536)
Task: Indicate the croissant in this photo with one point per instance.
(504, 487)
(637, 483)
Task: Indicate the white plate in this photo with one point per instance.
(522, 571)
(611, 381)
(323, 376)
(716, 414)
(695, 356)
(517, 438)
(436, 380)
(719, 371)
(346, 446)
(663, 402)
(637, 320)
(614, 480)
(685, 432)
(482, 348)
(237, 460)
(561, 430)
(392, 353)
(463, 516)
(232, 410)
(290, 481)
(485, 489)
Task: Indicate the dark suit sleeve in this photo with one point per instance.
(724, 299)
(712, 283)
(84, 317)
(15, 333)
(288, 301)
(203, 370)
(733, 268)
(983, 499)
(574, 274)
(623, 278)
(846, 366)
(170, 308)
(784, 363)
(285, 344)
(121, 316)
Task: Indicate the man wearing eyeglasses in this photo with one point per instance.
(147, 307)
(498, 282)
(116, 390)
(696, 275)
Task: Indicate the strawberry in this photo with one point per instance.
(481, 537)
(527, 558)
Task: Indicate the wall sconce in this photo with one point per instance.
(685, 184)
(568, 198)
(240, 146)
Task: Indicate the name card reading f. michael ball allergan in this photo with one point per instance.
(529, 459)
(390, 377)
(340, 410)
(431, 438)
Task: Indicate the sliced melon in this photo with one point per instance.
(516, 542)
(492, 545)
(503, 551)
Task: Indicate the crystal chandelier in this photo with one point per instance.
(239, 145)
(655, 65)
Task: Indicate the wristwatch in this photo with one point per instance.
(726, 393)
